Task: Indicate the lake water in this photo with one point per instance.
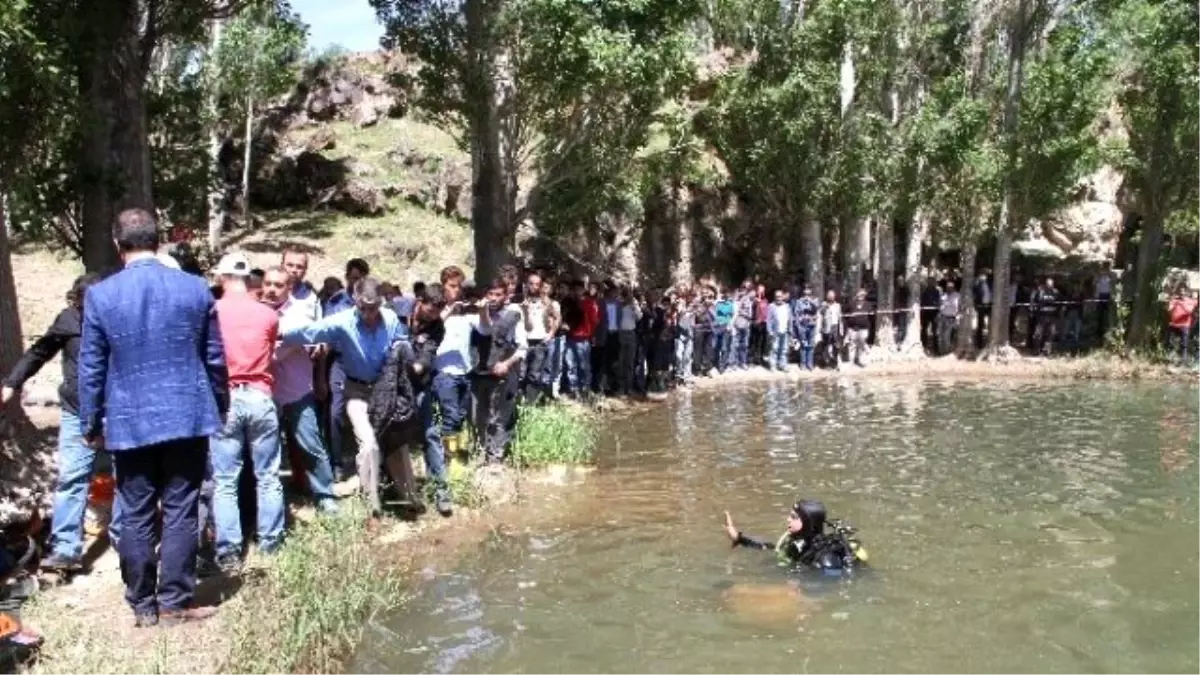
(1011, 527)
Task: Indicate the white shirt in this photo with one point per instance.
(520, 335)
(630, 315)
(831, 317)
(1104, 285)
(537, 319)
(454, 353)
(309, 304)
(985, 290)
(1012, 294)
(292, 366)
(949, 304)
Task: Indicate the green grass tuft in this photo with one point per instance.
(308, 609)
(553, 434)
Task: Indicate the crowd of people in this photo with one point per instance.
(201, 393)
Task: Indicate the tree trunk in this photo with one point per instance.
(852, 254)
(814, 256)
(10, 319)
(246, 160)
(912, 279)
(491, 231)
(681, 216)
(998, 337)
(1009, 220)
(966, 304)
(216, 190)
(1145, 294)
(115, 159)
(216, 193)
(885, 272)
(26, 474)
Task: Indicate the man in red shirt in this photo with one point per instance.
(249, 330)
(580, 316)
(1181, 314)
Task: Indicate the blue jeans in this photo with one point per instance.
(453, 395)
(579, 366)
(779, 350)
(75, 461)
(300, 422)
(722, 341)
(552, 374)
(340, 452)
(684, 346)
(807, 335)
(741, 348)
(253, 422)
(435, 454)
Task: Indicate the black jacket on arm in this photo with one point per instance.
(62, 336)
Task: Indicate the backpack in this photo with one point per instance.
(393, 400)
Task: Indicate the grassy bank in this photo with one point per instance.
(306, 610)
(558, 433)
(299, 611)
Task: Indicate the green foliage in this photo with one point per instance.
(586, 87)
(309, 607)
(35, 114)
(1066, 86)
(1158, 42)
(255, 58)
(553, 434)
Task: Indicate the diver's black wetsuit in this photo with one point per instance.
(828, 548)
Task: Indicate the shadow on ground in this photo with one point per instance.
(287, 231)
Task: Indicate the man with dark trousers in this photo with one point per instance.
(152, 389)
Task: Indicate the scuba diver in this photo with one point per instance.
(811, 541)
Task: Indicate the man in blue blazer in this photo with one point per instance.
(152, 388)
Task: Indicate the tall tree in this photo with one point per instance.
(26, 64)
(253, 62)
(1160, 99)
(1055, 91)
(564, 91)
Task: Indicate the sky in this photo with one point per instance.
(349, 23)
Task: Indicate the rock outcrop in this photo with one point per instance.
(362, 89)
(1090, 228)
(440, 184)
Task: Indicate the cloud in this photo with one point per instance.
(349, 23)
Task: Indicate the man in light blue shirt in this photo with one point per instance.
(362, 338)
(339, 450)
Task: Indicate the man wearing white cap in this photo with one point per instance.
(249, 330)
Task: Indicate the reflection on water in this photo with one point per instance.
(1012, 528)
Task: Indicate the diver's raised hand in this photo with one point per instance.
(730, 529)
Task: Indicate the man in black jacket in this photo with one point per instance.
(501, 345)
(75, 458)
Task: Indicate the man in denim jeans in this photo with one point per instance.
(744, 301)
(779, 323)
(293, 372)
(685, 336)
(804, 320)
(581, 317)
(75, 459)
(451, 387)
(249, 330)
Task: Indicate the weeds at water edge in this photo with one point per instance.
(307, 611)
(553, 434)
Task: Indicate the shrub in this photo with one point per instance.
(553, 434)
